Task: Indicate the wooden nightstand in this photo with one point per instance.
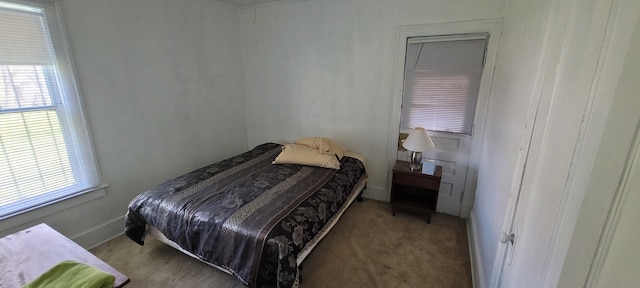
(414, 191)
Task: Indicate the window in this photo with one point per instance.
(441, 82)
(45, 152)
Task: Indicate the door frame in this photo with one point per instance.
(491, 26)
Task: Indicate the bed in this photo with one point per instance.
(246, 216)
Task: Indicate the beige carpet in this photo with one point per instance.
(367, 248)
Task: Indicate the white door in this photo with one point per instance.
(457, 153)
(556, 160)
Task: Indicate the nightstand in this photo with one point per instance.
(414, 191)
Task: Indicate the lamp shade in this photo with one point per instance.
(418, 141)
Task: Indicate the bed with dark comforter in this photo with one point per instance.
(247, 215)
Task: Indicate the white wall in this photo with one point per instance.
(162, 88)
(325, 68)
(602, 249)
(620, 265)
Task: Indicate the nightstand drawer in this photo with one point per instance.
(416, 181)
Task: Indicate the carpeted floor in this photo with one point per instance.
(367, 248)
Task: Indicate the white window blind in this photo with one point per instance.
(442, 78)
(45, 152)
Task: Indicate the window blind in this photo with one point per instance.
(442, 78)
(45, 152)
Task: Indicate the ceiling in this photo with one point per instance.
(242, 3)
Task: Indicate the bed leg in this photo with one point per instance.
(360, 199)
(299, 273)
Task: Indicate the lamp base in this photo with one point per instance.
(416, 161)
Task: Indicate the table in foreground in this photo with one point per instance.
(27, 254)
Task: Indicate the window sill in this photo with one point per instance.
(27, 216)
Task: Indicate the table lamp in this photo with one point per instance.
(418, 142)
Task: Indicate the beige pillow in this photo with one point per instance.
(325, 145)
(304, 155)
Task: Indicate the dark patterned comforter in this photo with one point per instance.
(246, 214)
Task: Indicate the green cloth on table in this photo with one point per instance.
(71, 274)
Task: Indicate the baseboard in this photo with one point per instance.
(477, 274)
(100, 234)
(376, 192)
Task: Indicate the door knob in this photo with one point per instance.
(504, 237)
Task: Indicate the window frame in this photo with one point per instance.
(66, 101)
